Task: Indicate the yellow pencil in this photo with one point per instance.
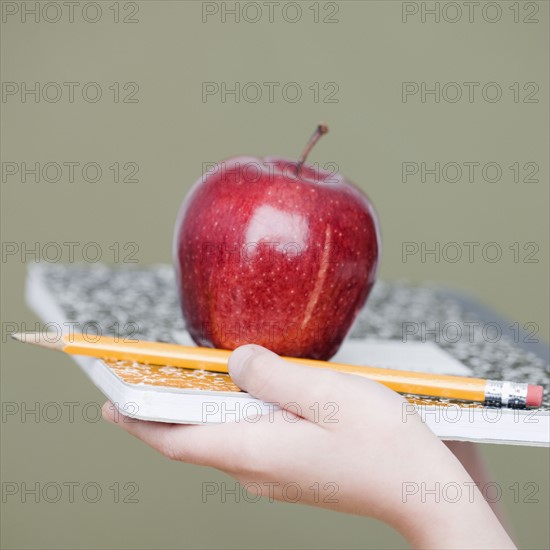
(491, 392)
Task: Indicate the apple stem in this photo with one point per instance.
(319, 131)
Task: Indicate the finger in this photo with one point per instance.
(175, 441)
(230, 447)
(300, 389)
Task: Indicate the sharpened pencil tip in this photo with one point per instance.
(44, 339)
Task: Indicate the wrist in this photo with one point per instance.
(444, 509)
(445, 526)
(440, 506)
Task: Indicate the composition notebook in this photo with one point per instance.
(403, 326)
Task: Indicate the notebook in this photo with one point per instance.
(392, 331)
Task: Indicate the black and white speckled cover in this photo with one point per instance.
(143, 303)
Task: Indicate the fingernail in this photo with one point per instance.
(107, 412)
(238, 359)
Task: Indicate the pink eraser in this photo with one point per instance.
(534, 396)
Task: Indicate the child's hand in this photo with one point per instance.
(352, 449)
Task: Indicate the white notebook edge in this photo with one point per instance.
(162, 405)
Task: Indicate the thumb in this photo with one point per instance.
(301, 389)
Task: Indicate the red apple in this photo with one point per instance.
(274, 252)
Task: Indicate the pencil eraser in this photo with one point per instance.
(534, 396)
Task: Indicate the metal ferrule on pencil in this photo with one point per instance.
(506, 394)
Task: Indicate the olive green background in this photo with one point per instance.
(170, 132)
